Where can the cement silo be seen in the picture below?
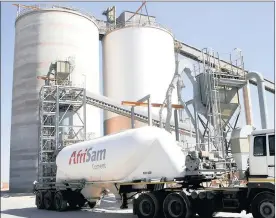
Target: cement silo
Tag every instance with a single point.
(43, 37)
(137, 60)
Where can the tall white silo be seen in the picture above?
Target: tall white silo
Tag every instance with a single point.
(42, 37)
(137, 61)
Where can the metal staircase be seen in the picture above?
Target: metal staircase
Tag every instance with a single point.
(219, 95)
(212, 104)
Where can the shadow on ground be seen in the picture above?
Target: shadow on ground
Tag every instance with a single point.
(7, 194)
(35, 213)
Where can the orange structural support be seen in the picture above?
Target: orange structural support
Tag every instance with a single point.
(27, 6)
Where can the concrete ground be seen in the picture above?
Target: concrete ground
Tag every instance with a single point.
(23, 206)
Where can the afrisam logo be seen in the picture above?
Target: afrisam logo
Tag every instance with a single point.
(88, 155)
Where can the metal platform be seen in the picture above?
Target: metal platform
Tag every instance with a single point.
(195, 54)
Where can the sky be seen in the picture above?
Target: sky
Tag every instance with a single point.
(223, 26)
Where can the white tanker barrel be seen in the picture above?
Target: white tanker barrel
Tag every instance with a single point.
(146, 152)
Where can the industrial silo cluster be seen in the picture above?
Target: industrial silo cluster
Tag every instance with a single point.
(133, 66)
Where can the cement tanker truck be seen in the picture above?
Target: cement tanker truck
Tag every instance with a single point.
(148, 161)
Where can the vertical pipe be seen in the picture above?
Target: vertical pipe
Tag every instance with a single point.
(57, 116)
(262, 103)
(84, 114)
(176, 125)
(132, 118)
(247, 104)
(114, 16)
(39, 170)
(195, 115)
(261, 95)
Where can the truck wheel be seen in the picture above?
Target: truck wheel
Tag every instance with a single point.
(60, 202)
(177, 205)
(263, 206)
(39, 200)
(146, 206)
(48, 200)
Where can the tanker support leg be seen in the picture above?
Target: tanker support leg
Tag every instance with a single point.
(124, 201)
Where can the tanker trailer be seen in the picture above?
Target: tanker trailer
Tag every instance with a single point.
(120, 163)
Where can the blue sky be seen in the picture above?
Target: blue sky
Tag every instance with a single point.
(220, 25)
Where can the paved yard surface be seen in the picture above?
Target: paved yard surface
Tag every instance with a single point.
(15, 206)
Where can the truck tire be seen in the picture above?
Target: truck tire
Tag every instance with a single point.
(48, 200)
(39, 200)
(146, 206)
(177, 205)
(60, 202)
(263, 205)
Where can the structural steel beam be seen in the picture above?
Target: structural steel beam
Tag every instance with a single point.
(115, 107)
(133, 103)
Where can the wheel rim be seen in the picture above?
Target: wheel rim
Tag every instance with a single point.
(175, 208)
(145, 207)
(267, 209)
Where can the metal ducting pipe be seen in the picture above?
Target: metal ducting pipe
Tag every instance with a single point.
(247, 104)
(261, 93)
(168, 98)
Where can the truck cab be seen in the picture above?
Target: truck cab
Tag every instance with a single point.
(262, 155)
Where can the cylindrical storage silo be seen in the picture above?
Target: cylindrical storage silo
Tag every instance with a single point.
(43, 37)
(137, 61)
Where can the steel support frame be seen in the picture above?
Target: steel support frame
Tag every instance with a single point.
(54, 100)
(148, 100)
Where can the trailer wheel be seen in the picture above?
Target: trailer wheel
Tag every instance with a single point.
(146, 206)
(48, 200)
(263, 206)
(39, 200)
(60, 202)
(177, 205)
